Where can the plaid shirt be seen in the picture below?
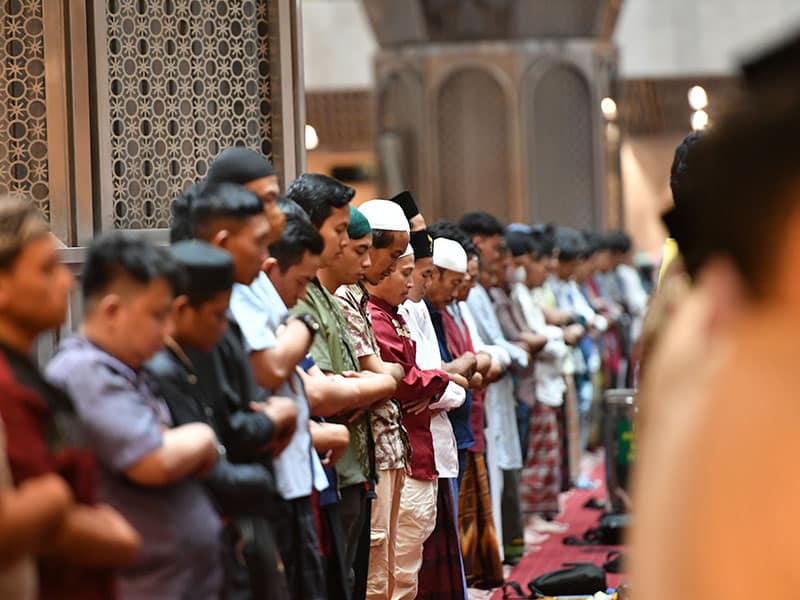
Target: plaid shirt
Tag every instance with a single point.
(391, 440)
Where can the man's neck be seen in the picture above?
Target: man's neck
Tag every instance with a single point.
(374, 296)
(328, 280)
(437, 305)
(16, 337)
(96, 336)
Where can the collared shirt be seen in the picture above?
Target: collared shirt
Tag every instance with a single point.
(513, 327)
(44, 436)
(491, 332)
(123, 419)
(396, 345)
(391, 445)
(585, 356)
(501, 414)
(333, 352)
(462, 312)
(445, 449)
(259, 310)
(550, 383)
(459, 417)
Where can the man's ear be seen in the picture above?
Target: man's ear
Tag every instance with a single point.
(180, 304)
(221, 239)
(726, 289)
(269, 264)
(109, 305)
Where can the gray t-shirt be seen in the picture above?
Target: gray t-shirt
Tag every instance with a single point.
(123, 419)
(259, 311)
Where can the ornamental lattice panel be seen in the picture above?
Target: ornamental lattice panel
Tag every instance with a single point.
(185, 79)
(23, 116)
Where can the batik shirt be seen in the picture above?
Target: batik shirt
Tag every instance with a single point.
(387, 430)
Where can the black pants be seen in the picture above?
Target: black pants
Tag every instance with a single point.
(354, 508)
(296, 535)
(513, 525)
(253, 567)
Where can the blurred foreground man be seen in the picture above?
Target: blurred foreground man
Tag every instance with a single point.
(715, 493)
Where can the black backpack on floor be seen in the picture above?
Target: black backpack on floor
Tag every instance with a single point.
(575, 580)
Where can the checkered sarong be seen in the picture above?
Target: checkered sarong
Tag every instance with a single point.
(541, 476)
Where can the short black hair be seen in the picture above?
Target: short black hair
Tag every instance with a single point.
(682, 170)
(618, 242)
(592, 243)
(208, 270)
(750, 162)
(451, 231)
(299, 236)
(117, 255)
(544, 240)
(481, 223)
(520, 244)
(683, 181)
(570, 243)
(319, 195)
(382, 238)
(202, 203)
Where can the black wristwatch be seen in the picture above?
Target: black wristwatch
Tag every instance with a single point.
(310, 322)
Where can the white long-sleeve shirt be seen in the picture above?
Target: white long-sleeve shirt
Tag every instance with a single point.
(549, 372)
(487, 324)
(445, 451)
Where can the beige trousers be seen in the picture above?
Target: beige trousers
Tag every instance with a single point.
(416, 522)
(383, 534)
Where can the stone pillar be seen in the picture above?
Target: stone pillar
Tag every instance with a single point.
(496, 106)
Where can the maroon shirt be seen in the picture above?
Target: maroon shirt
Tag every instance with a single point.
(396, 345)
(460, 341)
(43, 436)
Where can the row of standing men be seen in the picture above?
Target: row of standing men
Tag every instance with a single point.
(299, 398)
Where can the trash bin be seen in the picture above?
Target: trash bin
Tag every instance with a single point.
(619, 411)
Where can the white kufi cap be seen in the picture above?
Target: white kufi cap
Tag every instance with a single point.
(386, 215)
(449, 254)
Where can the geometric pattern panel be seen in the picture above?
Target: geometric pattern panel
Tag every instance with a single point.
(473, 144)
(23, 118)
(343, 119)
(560, 150)
(186, 79)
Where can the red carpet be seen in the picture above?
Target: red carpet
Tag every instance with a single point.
(554, 553)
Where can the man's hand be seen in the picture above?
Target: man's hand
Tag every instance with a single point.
(476, 381)
(573, 334)
(533, 342)
(283, 413)
(495, 372)
(484, 362)
(330, 440)
(459, 380)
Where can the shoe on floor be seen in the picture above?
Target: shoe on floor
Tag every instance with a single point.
(540, 525)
